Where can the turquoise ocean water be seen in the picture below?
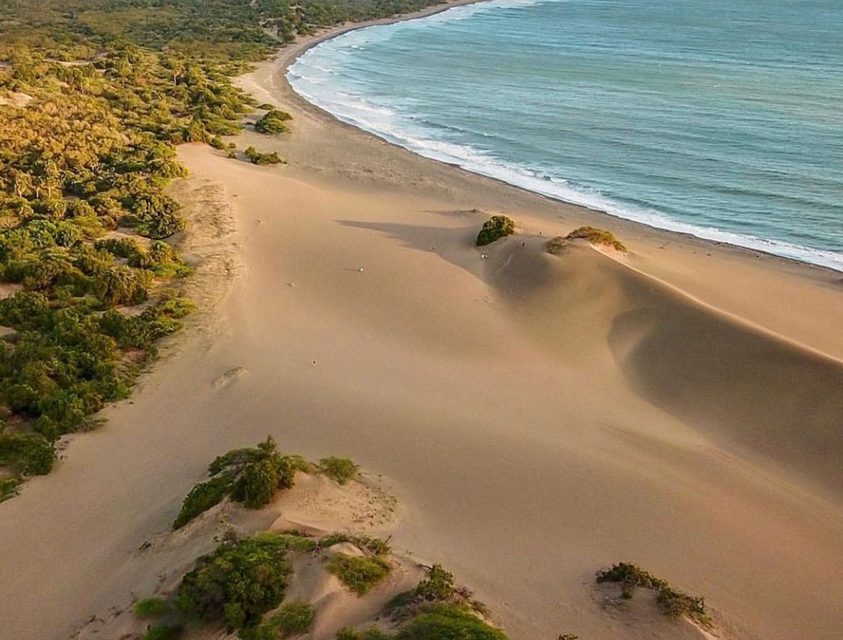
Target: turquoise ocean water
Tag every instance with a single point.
(719, 118)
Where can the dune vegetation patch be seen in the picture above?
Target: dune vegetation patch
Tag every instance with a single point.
(259, 158)
(342, 470)
(596, 236)
(495, 228)
(360, 574)
(673, 602)
(273, 121)
(256, 585)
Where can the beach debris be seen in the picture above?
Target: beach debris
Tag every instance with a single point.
(360, 269)
(483, 256)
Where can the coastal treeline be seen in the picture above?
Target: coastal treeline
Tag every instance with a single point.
(94, 97)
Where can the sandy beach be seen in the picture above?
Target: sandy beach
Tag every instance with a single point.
(539, 417)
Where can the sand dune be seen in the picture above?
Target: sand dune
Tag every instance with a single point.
(539, 417)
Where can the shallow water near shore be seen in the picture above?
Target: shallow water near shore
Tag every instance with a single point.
(711, 118)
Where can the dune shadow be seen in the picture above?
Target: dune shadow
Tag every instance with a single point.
(736, 383)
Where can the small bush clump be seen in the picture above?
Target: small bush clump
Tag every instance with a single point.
(673, 602)
(596, 236)
(274, 121)
(494, 228)
(359, 574)
(256, 157)
(340, 469)
(437, 588)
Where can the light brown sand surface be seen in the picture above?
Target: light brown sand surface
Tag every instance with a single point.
(539, 417)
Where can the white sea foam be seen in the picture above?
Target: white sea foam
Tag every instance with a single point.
(307, 77)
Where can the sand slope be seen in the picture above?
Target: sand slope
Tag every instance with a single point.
(540, 417)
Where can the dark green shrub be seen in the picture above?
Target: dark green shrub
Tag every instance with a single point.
(122, 285)
(252, 476)
(237, 583)
(256, 157)
(438, 586)
(273, 122)
(596, 236)
(151, 608)
(340, 469)
(257, 485)
(201, 498)
(359, 574)
(494, 228)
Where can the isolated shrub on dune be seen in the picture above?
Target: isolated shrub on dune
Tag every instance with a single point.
(252, 475)
(596, 236)
(256, 157)
(494, 228)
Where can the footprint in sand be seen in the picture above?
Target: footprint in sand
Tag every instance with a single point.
(229, 376)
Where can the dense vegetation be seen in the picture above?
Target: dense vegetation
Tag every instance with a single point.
(251, 476)
(673, 602)
(494, 228)
(237, 583)
(243, 583)
(94, 96)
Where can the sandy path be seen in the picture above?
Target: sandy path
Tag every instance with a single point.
(522, 406)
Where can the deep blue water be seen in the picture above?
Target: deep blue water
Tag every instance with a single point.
(721, 118)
